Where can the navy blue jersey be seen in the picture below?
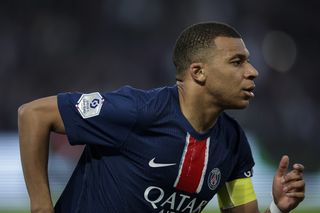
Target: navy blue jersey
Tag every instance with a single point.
(142, 154)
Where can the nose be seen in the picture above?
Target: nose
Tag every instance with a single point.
(251, 72)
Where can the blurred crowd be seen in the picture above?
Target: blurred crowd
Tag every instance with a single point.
(48, 47)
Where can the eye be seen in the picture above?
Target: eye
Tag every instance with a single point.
(239, 62)
(236, 63)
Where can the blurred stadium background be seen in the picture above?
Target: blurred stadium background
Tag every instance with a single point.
(52, 46)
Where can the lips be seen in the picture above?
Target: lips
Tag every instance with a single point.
(249, 91)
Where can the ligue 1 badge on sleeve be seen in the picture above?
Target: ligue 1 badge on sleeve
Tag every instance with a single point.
(89, 105)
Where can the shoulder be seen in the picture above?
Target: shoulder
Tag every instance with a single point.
(154, 105)
(155, 98)
(232, 131)
(143, 94)
(229, 123)
(236, 140)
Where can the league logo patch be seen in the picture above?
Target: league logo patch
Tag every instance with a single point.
(214, 178)
(248, 173)
(89, 105)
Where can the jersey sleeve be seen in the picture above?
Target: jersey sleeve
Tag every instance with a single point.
(95, 118)
(236, 193)
(238, 189)
(243, 158)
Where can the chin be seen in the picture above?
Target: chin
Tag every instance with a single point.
(240, 105)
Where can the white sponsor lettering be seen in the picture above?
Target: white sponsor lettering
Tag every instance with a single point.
(190, 205)
(171, 200)
(200, 207)
(182, 200)
(153, 202)
(175, 202)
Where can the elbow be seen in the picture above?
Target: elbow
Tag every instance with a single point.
(41, 113)
(24, 110)
(21, 110)
(27, 113)
(30, 117)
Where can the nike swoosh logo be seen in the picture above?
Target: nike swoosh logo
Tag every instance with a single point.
(157, 165)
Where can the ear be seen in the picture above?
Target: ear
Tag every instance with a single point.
(197, 72)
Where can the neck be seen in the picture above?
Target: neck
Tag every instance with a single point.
(197, 107)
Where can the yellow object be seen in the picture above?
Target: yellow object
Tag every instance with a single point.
(236, 193)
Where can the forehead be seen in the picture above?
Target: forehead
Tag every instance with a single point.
(229, 47)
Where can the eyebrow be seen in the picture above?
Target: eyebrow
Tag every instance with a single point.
(240, 56)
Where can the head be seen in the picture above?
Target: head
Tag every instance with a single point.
(214, 58)
(196, 41)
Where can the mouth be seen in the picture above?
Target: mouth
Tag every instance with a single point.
(249, 91)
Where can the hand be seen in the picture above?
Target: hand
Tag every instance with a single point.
(288, 189)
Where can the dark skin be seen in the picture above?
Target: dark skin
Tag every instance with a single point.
(225, 81)
(36, 120)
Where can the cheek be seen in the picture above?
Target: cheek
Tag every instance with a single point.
(223, 84)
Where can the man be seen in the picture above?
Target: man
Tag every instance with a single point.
(164, 150)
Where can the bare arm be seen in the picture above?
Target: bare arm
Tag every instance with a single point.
(35, 121)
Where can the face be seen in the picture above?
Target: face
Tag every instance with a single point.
(229, 75)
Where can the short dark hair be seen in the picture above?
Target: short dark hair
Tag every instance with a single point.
(196, 38)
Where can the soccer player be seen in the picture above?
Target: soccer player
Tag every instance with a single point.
(164, 150)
